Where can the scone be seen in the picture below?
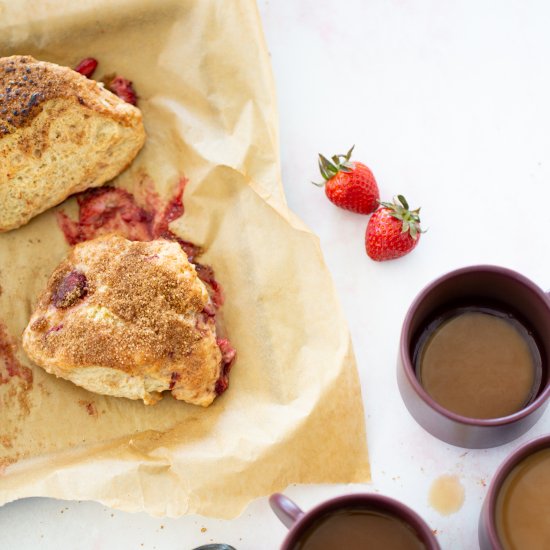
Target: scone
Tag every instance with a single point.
(130, 319)
(60, 133)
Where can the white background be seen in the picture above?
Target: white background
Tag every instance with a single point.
(449, 104)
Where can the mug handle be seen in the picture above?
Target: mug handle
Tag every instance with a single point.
(285, 509)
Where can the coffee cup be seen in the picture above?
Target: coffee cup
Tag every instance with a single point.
(453, 332)
(516, 508)
(350, 521)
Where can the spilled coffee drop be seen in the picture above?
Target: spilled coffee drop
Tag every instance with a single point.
(446, 495)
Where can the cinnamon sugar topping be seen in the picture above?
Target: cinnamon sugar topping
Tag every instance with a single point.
(143, 297)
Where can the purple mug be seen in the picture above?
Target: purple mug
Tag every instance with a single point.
(298, 522)
(476, 283)
(488, 535)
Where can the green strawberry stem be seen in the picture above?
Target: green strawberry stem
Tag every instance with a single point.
(410, 218)
(340, 163)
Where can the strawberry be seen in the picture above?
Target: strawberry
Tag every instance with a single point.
(349, 185)
(393, 230)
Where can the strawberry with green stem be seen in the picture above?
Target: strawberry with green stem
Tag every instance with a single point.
(393, 230)
(349, 184)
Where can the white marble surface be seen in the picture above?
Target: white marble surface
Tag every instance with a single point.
(449, 104)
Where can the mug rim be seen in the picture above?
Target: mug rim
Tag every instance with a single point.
(488, 512)
(409, 368)
(384, 503)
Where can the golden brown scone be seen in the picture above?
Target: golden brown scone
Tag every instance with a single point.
(129, 319)
(60, 133)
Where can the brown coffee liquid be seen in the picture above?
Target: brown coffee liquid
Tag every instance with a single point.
(478, 362)
(359, 529)
(523, 505)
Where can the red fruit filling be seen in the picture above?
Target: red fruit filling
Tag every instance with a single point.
(9, 365)
(107, 210)
(112, 210)
(56, 328)
(206, 275)
(87, 67)
(120, 86)
(72, 288)
(173, 379)
(123, 88)
(228, 357)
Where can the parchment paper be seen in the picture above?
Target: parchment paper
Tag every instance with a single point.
(293, 412)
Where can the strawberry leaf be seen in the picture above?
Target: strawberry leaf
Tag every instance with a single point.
(409, 218)
(340, 163)
(347, 156)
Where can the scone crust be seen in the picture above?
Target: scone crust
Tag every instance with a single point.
(136, 325)
(60, 133)
(26, 84)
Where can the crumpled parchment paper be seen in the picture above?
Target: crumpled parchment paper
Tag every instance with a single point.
(293, 412)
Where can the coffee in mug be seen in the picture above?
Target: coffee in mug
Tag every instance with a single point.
(523, 504)
(478, 361)
(359, 528)
(354, 521)
(516, 509)
(474, 356)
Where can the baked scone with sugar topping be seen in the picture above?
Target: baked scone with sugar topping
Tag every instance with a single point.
(60, 133)
(130, 319)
